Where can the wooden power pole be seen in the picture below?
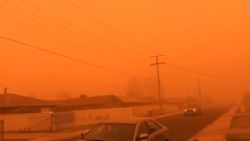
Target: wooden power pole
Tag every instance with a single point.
(157, 63)
(199, 91)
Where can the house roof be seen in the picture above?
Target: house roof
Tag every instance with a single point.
(127, 99)
(100, 100)
(18, 100)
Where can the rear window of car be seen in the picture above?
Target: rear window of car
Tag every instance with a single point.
(112, 132)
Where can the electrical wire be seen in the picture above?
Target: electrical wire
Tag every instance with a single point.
(100, 23)
(204, 73)
(71, 58)
(65, 22)
(39, 20)
(61, 21)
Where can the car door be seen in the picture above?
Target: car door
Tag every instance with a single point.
(155, 131)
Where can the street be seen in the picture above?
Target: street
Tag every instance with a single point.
(184, 127)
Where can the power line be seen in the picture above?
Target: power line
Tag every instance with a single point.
(63, 21)
(205, 73)
(69, 57)
(29, 28)
(100, 23)
(107, 27)
(56, 26)
(52, 24)
(38, 18)
(78, 28)
(62, 30)
(39, 22)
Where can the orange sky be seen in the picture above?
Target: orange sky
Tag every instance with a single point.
(209, 36)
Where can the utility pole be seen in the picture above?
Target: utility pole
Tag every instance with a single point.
(199, 91)
(157, 63)
(5, 91)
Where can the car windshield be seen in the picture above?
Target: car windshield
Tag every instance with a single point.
(111, 132)
(241, 122)
(191, 106)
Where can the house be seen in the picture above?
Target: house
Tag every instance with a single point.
(13, 103)
(10, 99)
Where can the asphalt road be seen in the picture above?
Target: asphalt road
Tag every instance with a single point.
(184, 127)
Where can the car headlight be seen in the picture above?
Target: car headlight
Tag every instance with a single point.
(194, 110)
(185, 110)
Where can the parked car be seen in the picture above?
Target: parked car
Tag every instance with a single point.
(240, 128)
(127, 130)
(192, 109)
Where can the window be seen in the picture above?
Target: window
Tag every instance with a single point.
(112, 132)
(153, 126)
(143, 129)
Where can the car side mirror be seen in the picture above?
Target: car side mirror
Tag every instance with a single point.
(83, 134)
(143, 136)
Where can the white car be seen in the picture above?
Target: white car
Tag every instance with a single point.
(127, 130)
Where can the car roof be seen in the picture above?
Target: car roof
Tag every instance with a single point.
(125, 121)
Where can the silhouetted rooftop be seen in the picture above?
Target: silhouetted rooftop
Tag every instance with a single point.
(18, 100)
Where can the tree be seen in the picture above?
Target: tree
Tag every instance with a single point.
(143, 90)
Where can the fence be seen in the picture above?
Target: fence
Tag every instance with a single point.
(31, 122)
(41, 122)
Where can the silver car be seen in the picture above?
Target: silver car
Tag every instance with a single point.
(128, 130)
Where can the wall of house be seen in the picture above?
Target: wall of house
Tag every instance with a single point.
(35, 122)
(26, 122)
(87, 117)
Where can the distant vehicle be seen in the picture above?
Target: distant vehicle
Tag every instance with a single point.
(127, 130)
(192, 109)
(240, 128)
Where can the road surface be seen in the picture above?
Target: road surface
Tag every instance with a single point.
(184, 127)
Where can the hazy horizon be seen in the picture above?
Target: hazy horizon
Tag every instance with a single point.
(205, 36)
